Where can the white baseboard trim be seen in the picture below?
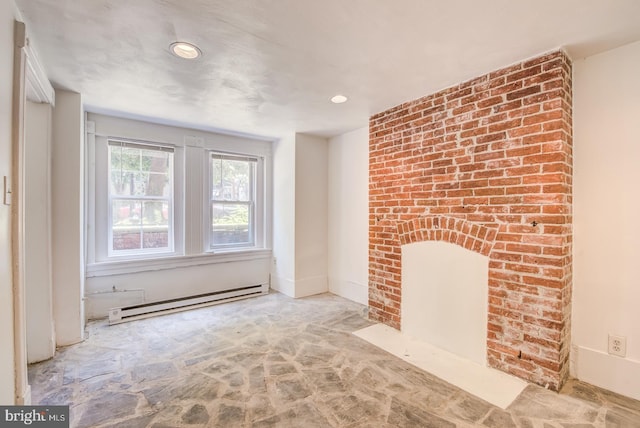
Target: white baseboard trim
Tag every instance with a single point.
(617, 374)
(69, 342)
(310, 286)
(354, 291)
(283, 285)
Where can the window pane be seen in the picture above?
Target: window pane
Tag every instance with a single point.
(127, 183)
(126, 213)
(230, 224)
(140, 172)
(158, 184)
(156, 238)
(129, 158)
(155, 227)
(216, 178)
(120, 183)
(126, 240)
(125, 224)
(231, 180)
(158, 165)
(115, 158)
(237, 180)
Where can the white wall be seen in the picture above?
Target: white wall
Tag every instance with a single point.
(311, 215)
(191, 270)
(284, 212)
(37, 233)
(163, 284)
(606, 227)
(300, 197)
(67, 191)
(7, 385)
(348, 216)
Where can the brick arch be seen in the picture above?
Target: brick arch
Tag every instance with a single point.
(471, 236)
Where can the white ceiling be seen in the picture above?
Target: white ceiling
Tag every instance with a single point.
(270, 66)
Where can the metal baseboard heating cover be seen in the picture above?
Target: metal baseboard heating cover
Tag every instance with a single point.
(146, 310)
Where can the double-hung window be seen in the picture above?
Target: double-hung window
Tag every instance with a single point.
(140, 198)
(232, 202)
(161, 197)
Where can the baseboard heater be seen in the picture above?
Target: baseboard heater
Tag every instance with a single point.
(146, 310)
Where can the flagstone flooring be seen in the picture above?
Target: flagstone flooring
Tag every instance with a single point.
(273, 361)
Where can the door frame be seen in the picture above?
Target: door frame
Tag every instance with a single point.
(28, 77)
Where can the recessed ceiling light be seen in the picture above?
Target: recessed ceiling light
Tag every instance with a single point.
(185, 50)
(338, 99)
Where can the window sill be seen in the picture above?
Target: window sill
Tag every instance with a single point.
(120, 267)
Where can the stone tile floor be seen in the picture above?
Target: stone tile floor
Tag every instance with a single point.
(273, 361)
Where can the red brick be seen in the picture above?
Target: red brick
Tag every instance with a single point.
(502, 126)
(495, 151)
(525, 130)
(523, 93)
(511, 87)
(488, 102)
(543, 117)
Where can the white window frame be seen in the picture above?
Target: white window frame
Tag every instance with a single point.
(254, 211)
(141, 252)
(191, 190)
(99, 243)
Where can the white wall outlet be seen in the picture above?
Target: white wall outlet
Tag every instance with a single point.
(618, 345)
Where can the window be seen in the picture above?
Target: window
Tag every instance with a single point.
(161, 197)
(232, 200)
(140, 198)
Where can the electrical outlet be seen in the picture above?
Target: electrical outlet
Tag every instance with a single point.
(618, 345)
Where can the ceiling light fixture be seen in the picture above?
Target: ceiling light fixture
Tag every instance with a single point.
(185, 50)
(339, 99)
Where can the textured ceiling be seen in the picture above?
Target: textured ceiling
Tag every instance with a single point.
(270, 66)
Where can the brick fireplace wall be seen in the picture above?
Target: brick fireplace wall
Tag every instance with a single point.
(486, 165)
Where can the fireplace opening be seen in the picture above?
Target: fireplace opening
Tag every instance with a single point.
(444, 297)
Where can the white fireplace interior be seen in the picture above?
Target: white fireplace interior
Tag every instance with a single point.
(444, 297)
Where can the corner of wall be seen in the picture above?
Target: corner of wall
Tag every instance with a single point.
(283, 285)
(311, 233)
(348, 215)
(310, 286)
(284, 212)
(67, 194)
